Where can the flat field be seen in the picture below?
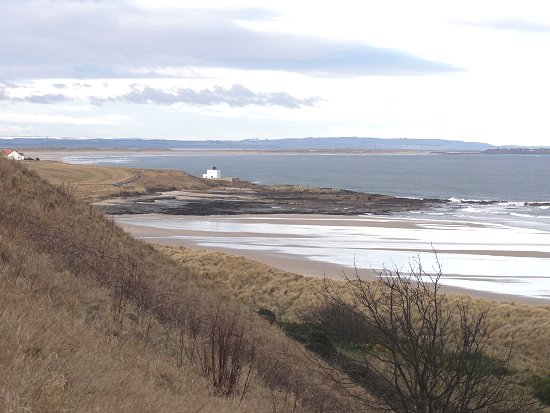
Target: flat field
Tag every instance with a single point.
(92, 182)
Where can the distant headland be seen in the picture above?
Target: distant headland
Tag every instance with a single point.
(299, 144)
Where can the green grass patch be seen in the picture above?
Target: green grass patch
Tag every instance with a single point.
(540, 387)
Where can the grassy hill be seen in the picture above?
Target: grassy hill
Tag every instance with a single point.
(91, 182)
(93, 320)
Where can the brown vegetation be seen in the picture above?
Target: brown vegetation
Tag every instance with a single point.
(260, 286)
(92, 182)
(92, 319)
(136, 190)
(413, 349)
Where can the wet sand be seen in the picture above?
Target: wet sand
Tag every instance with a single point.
(309, 266)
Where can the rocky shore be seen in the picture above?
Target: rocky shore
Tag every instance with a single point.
(260, 199)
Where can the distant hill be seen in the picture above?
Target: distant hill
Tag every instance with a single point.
(518, 151)
(340, 143)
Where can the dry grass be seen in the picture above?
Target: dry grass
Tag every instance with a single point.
(527, 327)
(73, 266)
(60, 352)
(255, 284)
(93, 320)
(87, 181)
(91, 182)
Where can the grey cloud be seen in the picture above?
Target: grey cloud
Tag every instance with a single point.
(4, 85)
(90, 39)
(512, 24)
(47, 98)
(235, 96)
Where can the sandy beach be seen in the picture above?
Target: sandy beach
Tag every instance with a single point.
(495, 249)
(328, 246)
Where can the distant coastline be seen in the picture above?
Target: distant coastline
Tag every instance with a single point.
(517, 151)
(292, 144)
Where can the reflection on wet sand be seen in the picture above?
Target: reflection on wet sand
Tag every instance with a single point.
(480, 256)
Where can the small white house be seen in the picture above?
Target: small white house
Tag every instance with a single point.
(11, 154)
(212, 173)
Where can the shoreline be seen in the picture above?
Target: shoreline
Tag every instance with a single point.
(240, 199)
(303, 265)
(57, 155)
(244, 198)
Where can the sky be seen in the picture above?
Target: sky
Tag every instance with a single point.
(242, 69)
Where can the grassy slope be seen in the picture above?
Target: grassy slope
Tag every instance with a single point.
(92, 182)
(92, 320)
(260, 286)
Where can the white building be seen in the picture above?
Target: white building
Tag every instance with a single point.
(212, 173)
(11, 154)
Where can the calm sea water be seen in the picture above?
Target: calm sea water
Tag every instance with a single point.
(515, 178)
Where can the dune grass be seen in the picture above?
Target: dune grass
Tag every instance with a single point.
(60, 351)
(77, 280)
(526, 327)
(93, 320)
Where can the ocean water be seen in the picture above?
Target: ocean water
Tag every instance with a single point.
(502, 246)
(511, 178)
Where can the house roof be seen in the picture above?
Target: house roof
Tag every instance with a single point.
(6, 152)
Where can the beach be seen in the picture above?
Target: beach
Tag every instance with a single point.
(492, 260)
(495, 249)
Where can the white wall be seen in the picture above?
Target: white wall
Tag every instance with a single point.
(16, 156)
(212, 174)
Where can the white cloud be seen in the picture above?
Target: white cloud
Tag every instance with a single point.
(57, 119)
(234, 96)
(381, 68)
(104, 39)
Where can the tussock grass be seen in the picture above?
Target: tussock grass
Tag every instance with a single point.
(526, 327)
(60, 352)
(93, 320)
(255, 284)
(93, 317)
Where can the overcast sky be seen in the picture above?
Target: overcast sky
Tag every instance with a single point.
(469, 70)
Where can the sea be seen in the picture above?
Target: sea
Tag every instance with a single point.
(513, 178)
(492, 235)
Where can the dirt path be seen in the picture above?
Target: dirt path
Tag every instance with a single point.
(131, 181)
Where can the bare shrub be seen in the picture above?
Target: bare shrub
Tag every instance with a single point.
(67, 190)
(221, 352)
(423, 354)
(80, 242)
(337, 319)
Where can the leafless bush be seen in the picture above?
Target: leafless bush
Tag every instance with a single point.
(337, 319)
(425, 355)
(226, 339)
(220, 351)
(67, 190)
